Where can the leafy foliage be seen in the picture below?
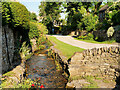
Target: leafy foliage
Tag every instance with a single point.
(50, 11)
(89, 36)
(113, 13)
(110, 31)
(86, 18)
(34, 32)
(6, 17)
(25, 51)
(116, 18)
(90, 22)
(15, 14)
(41, 40)
(20, 15)
(33, 16)
(42, 28)
(24, 84)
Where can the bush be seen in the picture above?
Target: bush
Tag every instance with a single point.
(36, 30)
(90, 36)
(41, 40)
(104, 25)
(110, 32)
(33, 32)
(24, 84)
(86, 37)
(25, 51)
(6, 13)
(42, 28)
(41, 47)
(20, 15)
(15, 14)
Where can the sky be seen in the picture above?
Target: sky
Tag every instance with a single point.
(33, 6)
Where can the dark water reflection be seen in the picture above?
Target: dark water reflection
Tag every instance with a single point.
(43, 69)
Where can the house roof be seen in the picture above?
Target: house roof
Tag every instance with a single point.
(104, 8)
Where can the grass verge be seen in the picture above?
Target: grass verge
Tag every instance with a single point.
(66, 49)
(93, 41)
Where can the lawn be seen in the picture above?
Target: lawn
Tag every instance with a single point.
(66, 49)
(93, 41)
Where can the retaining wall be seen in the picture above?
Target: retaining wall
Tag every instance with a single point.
(7, 48)
(102, 62)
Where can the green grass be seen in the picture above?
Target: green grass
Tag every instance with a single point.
(106, 81)
(93, 41)
(66, 49)
(92, 84)
(76, 77)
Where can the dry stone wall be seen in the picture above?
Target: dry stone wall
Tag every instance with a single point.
(102, 62)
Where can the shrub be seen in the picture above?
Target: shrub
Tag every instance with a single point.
(41, 47)
(15, 14)
(41, 40)
(110, 32)
(20, 15)
(24, 84)
(6, 13)
(33, 32)
(90, 36)
(37, 29)
(86, 37)
(25, 51)
(42, 28)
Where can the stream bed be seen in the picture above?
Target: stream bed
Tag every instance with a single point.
(42, 69)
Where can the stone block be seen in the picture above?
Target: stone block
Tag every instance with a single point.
(77, 56)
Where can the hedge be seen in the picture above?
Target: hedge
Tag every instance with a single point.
(15, 14)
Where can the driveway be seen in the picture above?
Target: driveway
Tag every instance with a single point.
(81, 44)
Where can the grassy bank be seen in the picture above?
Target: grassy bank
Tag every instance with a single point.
(93, 41)
(66, 49)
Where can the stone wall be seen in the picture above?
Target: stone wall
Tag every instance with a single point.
(62, 60)
(14, 76)
(56, 55)
(0, 50)
(102, 62)
(7, 48)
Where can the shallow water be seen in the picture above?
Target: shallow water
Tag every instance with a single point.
(43, 70)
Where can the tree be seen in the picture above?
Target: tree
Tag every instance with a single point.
(50, 12)
(82, 15)
(73, 14)
(33, 16)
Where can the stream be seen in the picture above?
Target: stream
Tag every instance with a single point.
(42, 69)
